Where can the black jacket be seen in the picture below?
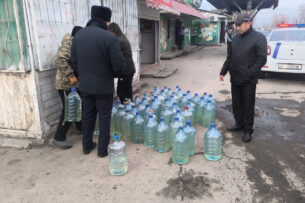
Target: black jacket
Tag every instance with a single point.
(125, 48)
(246, 56)
(97, 58)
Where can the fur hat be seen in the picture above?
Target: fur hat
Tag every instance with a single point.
(75, 30)
(101, 12)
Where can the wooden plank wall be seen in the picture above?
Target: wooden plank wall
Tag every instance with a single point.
(16, 109)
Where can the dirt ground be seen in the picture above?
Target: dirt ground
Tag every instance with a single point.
(271, 168)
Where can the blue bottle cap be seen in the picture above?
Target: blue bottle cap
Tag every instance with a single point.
(176, 119)
(133, 106)
(147, 105)
(172, 96)
(175, 103)
(196, 94)
(184, 94)
(179, 89)
(165, 87)
(178, 111)
(188, 122)
(73, 89)
(155, 97)
(138, 113)
(202, 97)
(210, 95)
(177, 86)
(204, 93)
(120, 108)
(209, 101)
(162, 91)
(127, 111)
(166, 99)
(140, 102)
(161, 119)
(150, 116)
(213, 125)
(180, 127)
(169, 88)
(188, 91)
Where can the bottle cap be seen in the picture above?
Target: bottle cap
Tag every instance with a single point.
(169, 88)
(166, 99)
(188, 122)
(184, 94)
(176, 119)
(140, 102)
(188, 91)
(150, 116)
(213, 125)
(147, 105)
(196, 94)
(204, 93)
(138, 113)
(180, 127)
(73, 89)
(210, 95)
(209, 101)
(178, 111)
(162, 119)
(177, 86)
(116, 136)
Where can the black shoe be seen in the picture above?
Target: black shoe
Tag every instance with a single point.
(62, 144)
(247, 137)
(101, 155)
(235, 127)
(87, 151)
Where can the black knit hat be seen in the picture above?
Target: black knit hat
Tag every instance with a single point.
(101, 12)
(75, 30)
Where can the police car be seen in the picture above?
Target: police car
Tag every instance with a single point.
(286, 50)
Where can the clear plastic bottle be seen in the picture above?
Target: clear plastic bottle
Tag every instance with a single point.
(137, 131)
(189, 95)
(175, 108)
(162, 97)
(167, 114)
(183, 101)
(201, 106)
(213, 144)
(180, 116)
(172, 100)
(117, 156)
(188, 115)
(190, 132)
(133, 110)
(141, 108)
(212, 99)
(113, 122)
(126, 124)
(162, 137)
(196, 100)
(179, 95)
(173, 129)
(169, 92)
(156, 107)
(150, 131)
(180, 148)
(209, 113)
(119, 118)
(137, 100)
(73, 107)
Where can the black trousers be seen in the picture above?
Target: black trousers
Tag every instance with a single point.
(180, 41)
(243, 102)
(64, 126)
(93, 104)
(124, 88)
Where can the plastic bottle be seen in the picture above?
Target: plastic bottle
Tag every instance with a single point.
(150, 131)
(117, 156)
(190, 132)
(212, 99)
(180, 148)
(180, 116)
(137, 131)
(172, 100)
(189, 95)
(133, 110)
(167, 114)
(183, 101)
(200, 109)
(113, 122)
(196, 100)
(179, 95)
(162, 97)
(174, 127)
(126, 125)
(188, 115)
(137, 100)
(213, 144)
(73, 107)
(175, 107)
(169, 92)
(162, 137)
(156, 107)
(119, 118)
(141, 108)
(209, 112)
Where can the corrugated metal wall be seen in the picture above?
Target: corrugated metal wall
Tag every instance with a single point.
(52, 20)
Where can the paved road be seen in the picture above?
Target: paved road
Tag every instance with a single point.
(269, 169)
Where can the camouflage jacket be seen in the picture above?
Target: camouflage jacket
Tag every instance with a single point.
(62, 62)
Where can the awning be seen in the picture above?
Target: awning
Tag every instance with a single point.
(168, 9)
(182, 8)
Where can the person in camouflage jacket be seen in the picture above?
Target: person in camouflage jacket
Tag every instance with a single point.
(65, 79)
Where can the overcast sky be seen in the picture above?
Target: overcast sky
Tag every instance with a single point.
(287, 7)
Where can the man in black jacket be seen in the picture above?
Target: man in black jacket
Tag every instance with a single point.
(97, 58)
(246, 56)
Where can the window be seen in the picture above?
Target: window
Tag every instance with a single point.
(11, 48)
(288, 35)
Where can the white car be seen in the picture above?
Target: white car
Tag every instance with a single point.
(286, 50)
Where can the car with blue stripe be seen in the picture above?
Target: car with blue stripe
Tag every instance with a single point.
(286, 49)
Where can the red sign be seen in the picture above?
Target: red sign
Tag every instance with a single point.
(168, 3)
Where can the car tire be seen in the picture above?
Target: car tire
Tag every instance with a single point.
(262, 75)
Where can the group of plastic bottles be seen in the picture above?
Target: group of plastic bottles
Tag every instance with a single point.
(163, 121)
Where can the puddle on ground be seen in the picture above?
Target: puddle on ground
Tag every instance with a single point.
(289, 112)
(224, 92)
(258, 113)
(187, 185)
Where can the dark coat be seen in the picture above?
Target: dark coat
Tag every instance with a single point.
(125, 48)
(246, 56)
(97, 58)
